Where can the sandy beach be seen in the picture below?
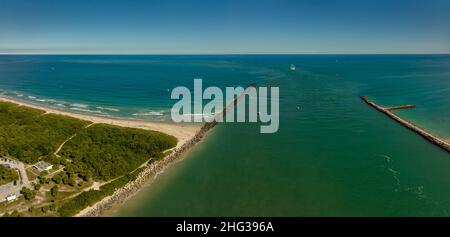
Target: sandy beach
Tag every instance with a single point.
(188, 135)
(183, 132)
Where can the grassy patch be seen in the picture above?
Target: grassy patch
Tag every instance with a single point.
(89, 198)
(8, 175)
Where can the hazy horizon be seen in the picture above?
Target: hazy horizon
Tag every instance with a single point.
(218, 54)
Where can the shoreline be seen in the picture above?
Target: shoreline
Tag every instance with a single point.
(188, 136)
(112, 203)
(183, 132)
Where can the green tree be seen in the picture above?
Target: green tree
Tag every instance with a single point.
(27, 193)
(57, 178)
(37, 186)
(54, 191)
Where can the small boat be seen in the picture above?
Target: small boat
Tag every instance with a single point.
(292, 67)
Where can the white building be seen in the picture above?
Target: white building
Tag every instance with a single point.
(11, 197)
(43, 166)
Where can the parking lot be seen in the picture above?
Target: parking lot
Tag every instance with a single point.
(10, 188)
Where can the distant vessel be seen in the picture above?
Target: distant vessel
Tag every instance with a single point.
(292, 67)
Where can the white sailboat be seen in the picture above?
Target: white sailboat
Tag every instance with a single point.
(292, 67)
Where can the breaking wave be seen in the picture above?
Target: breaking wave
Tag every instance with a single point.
(86, 110)
(79, 105)
(108, 109)
(150, 113)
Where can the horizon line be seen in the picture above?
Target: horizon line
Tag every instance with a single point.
(223, 53)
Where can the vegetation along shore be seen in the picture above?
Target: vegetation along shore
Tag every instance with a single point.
(68, 164)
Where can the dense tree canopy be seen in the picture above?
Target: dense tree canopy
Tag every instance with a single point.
(106, 151)
(28, 134)
(101, 152)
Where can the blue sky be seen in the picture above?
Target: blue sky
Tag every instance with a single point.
(227, 26)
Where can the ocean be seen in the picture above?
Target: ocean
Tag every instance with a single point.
(332, 156)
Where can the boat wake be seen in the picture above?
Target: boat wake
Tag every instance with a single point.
(395, 173)
(418, 191)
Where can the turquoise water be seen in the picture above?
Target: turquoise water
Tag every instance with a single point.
(333, 154)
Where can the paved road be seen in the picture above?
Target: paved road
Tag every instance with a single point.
(10, 188)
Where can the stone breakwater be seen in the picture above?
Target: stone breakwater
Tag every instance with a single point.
(420, 131)
(148, 174)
